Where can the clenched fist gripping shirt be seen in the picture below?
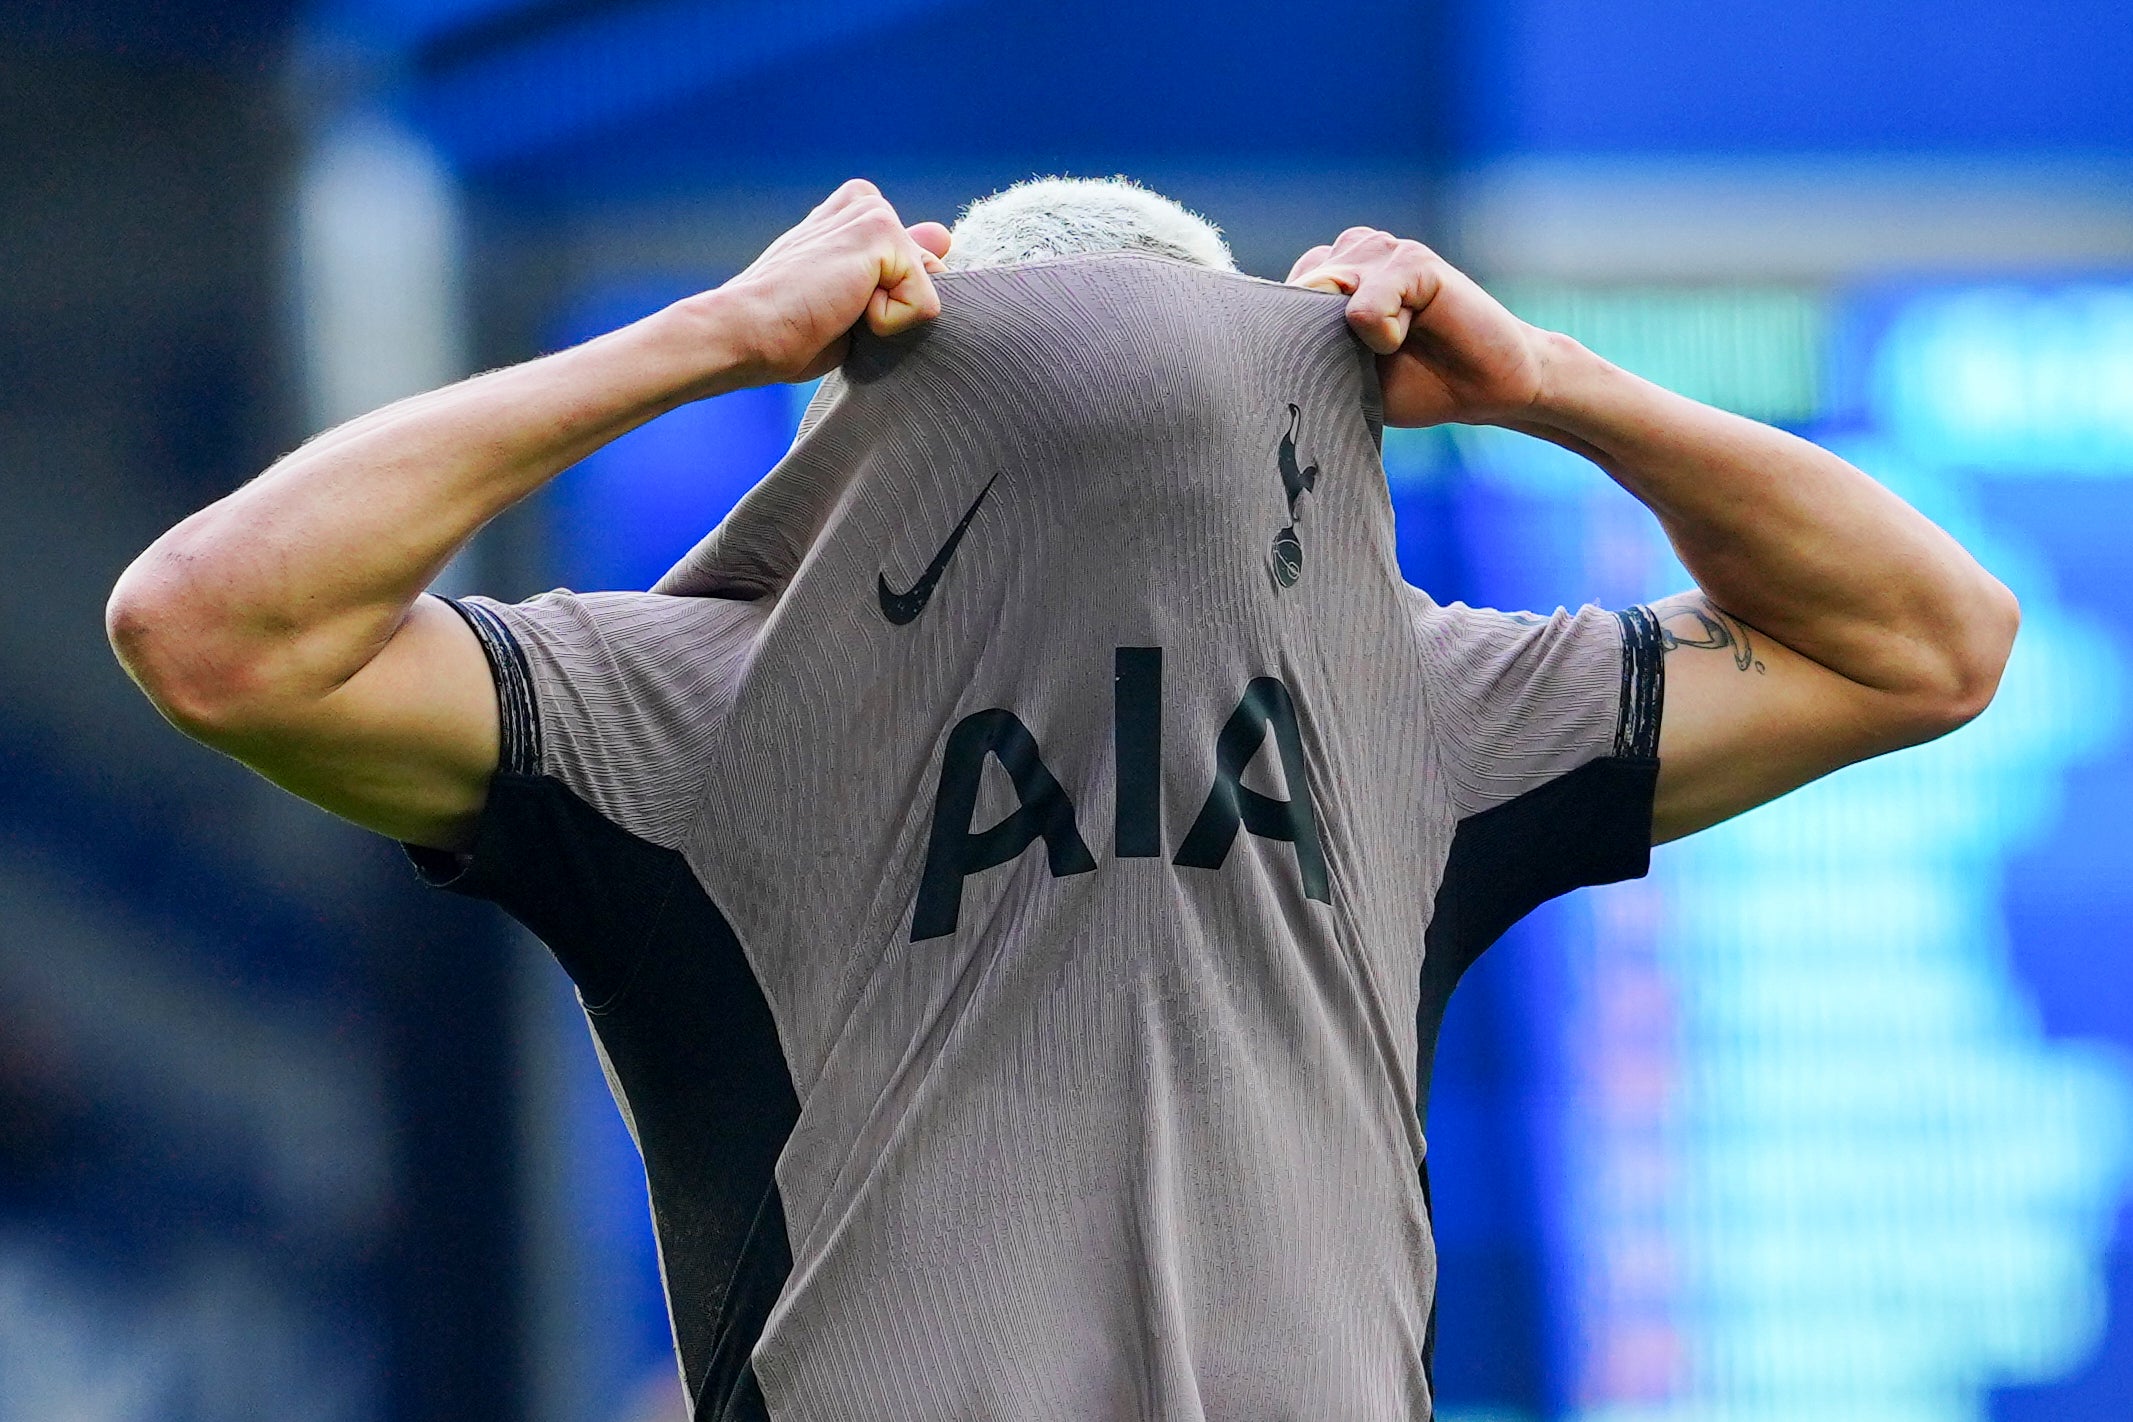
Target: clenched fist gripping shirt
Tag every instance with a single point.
(1014, 866)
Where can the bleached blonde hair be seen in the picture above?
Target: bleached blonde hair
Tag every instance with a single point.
(1071, 217)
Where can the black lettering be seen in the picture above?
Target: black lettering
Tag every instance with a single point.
(1137, 739)
(1231, 806)
(954, 852)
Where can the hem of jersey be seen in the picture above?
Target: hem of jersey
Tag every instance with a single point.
(1643, 685)
(518, 749)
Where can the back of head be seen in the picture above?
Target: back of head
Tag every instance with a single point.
(1079, 217)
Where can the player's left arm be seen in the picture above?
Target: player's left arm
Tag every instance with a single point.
(1831, 621)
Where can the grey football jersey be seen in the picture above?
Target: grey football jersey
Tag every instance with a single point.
(1014, 866)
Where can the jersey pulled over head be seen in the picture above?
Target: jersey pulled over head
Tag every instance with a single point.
(999, 354)
(1110, 379)
(999, 860)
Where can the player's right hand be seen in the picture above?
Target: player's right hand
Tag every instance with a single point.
(852, 258)
(1447, 350)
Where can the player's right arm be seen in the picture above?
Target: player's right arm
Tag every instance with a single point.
(285, 624)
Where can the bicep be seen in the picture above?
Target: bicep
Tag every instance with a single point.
(406, 746)
(1747, 719)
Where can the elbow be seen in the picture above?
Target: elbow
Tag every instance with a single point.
(164, 628)
(1986, 649)
(1974, 657)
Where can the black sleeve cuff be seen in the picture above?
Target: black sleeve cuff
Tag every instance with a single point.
(1643, 685)
(518, 750)
(518, 712)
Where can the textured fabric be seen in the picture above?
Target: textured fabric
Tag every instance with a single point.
(1077, 776)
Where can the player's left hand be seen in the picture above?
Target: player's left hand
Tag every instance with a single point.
(1448, 352)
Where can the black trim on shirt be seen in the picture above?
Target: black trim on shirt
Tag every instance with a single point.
(1643, 684)
(518, 713)
(729, 1391)
(690, 1037)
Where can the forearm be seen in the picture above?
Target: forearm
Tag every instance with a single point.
(1788, 537)
(290, 585)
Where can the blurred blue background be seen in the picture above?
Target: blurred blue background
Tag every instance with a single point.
(1831, 1118)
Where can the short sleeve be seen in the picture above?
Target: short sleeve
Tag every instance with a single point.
(618, 696)
(610, 707)
(1521, 700)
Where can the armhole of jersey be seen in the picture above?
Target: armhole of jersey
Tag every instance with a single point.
(518, 714)
(1643, 685)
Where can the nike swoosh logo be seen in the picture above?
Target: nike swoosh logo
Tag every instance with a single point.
(902, 607)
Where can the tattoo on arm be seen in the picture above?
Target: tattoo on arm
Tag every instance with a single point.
(1700, 626)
